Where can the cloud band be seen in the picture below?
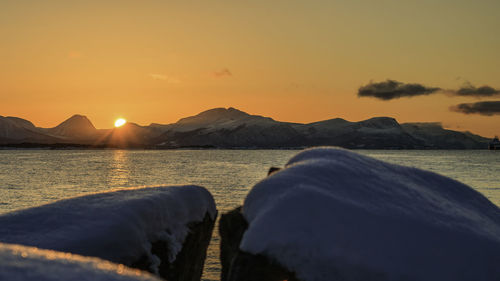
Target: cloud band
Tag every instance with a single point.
(487, 108)
(391, 89)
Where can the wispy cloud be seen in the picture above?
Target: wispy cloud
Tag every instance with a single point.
(222, 73)
(166, 78)
(391, 89)
(487, 108)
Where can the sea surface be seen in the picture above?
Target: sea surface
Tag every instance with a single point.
(33, 177)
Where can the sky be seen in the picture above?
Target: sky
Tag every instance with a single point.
(297, 61)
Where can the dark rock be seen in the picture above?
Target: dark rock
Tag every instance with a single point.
(232, 225)
(238, 265)
(249, 267)
(273, 170)
(188, 265)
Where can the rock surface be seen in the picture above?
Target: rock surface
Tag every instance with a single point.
(189, 262)
(164, 230)
(332, 214)
(238, 265)
(19, 262)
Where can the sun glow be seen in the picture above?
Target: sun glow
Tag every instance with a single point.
(120, 122)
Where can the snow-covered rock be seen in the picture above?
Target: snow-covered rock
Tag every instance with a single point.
(29, 263)
(332, 214)
(143, 227)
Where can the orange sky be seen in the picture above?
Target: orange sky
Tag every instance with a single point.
(299, 61)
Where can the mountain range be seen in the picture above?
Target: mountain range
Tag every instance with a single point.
(232, 128)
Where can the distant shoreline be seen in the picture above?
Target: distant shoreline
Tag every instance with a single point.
(73, 146)
(230, 128)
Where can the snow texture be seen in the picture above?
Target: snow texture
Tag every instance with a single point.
(29, 263)
(118, 226)
(332, 214)
(221, 118)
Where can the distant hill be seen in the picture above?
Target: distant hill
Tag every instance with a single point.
(378, 132)
(435, 136)
(75, 127)
(17, 130)
(232, 128)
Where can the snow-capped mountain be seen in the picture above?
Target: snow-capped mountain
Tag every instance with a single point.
(435, 136)
(229, 127)
(232, 128)
(129, 135)
(378, 132)
(221, 127)
(75, 127)
(215, 119)
(17, 130)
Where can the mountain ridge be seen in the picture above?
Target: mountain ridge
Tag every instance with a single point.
(77, 126)
(233, 128)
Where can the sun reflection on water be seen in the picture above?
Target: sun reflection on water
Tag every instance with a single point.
(119, 169)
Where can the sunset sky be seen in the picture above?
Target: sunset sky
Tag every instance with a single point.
(299, 61)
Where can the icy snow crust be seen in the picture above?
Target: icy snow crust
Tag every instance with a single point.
(118, 226)
(332, 214)
(29, 263)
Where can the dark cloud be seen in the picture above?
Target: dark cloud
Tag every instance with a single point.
(487, 108)
(222, 73)
(470, 91)
(392, 89)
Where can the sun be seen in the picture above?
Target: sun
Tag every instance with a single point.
(120, 122)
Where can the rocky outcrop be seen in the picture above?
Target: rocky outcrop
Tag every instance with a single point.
(188, 264)
(238, 265)
(19, 262)
(332, 214)
(165, 230)
(232, 225)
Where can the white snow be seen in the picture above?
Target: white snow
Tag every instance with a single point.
(29, 263)
(219, 119)
(332, 214)
(16, 128)
(118, 226)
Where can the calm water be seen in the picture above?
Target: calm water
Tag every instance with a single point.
(33, 177)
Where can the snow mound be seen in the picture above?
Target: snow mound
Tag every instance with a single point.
(29, 263)
(119, 226)
(332, 214)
